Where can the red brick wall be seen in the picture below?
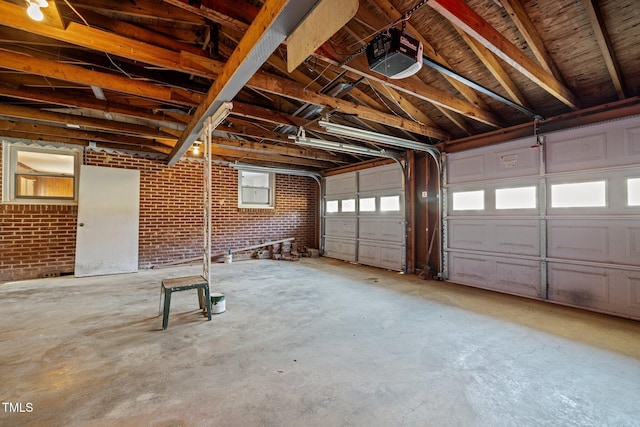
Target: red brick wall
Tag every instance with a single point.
(39, 240)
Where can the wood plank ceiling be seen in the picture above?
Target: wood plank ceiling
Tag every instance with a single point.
(130, 74)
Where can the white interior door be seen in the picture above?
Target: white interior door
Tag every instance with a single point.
(108, 216)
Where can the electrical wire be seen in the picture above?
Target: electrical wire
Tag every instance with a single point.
(87, 24)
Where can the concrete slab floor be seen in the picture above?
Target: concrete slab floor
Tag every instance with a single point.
(317, 342)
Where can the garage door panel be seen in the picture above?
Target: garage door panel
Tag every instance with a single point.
(522, 238)
(375, 236)
(632, 142)
(632, 236)
(465, 169)
(380, 255)
(583, 286)
(633, 295)
(586, 241)
(340, 227)
(514, 276)
(473, 270)
(576, 153)
(576, 248)
(520, 161)
(514, 159)
(519, 277)
(340, 249)
(465, 234)
(614, 241)
(341, 184)
(387, 177)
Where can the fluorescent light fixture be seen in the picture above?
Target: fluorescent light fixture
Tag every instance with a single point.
(340, 147)
(73, 126)
(283, 171)
(219, 116)
(374, 136)
(97, 91)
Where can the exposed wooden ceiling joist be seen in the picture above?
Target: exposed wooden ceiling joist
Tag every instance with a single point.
(473, 24)
(602, 37)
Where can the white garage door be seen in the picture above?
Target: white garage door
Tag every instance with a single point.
(559, 222)
(364, 217)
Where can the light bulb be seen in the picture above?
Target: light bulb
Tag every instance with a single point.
(196, 150)
(43, 3)
(34, 12)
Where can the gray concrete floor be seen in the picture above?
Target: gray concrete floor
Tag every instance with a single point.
(310, 343)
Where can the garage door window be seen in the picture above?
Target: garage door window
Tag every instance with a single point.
(332, 206)
(348, 205)
(579, 195)
(633, 192)
(468, 200)
(368, 204)
(390, 204)
(516, 198)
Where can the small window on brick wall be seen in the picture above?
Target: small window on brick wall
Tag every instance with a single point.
(36, 175)
(256, 189)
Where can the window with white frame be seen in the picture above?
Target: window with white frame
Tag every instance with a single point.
(332, 206)
(256, 189)
(38, 175)
(579, 195)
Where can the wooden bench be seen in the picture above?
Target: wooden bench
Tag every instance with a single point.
(177, 284)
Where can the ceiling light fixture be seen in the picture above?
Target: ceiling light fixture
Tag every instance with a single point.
(33, 9)
(98, 93)
(339, 146)
(374, 136)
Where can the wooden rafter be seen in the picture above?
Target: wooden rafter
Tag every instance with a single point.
(92, 123)
(528, 30)
(473, 24)
(493, 65)
(597, 23)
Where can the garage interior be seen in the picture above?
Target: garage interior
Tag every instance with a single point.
(418, 212)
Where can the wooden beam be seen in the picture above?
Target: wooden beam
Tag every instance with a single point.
(60, 134)
(28, 64)
(102, 124)
(13, 16)
(258, 42)
(473, 24)
(284, 87)
(211, 14)
(519, 16)
(242, 153)
(606, 48)
(321, 158)
(90, 103)
(317, 27)
(427, 93)
(493, 65)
